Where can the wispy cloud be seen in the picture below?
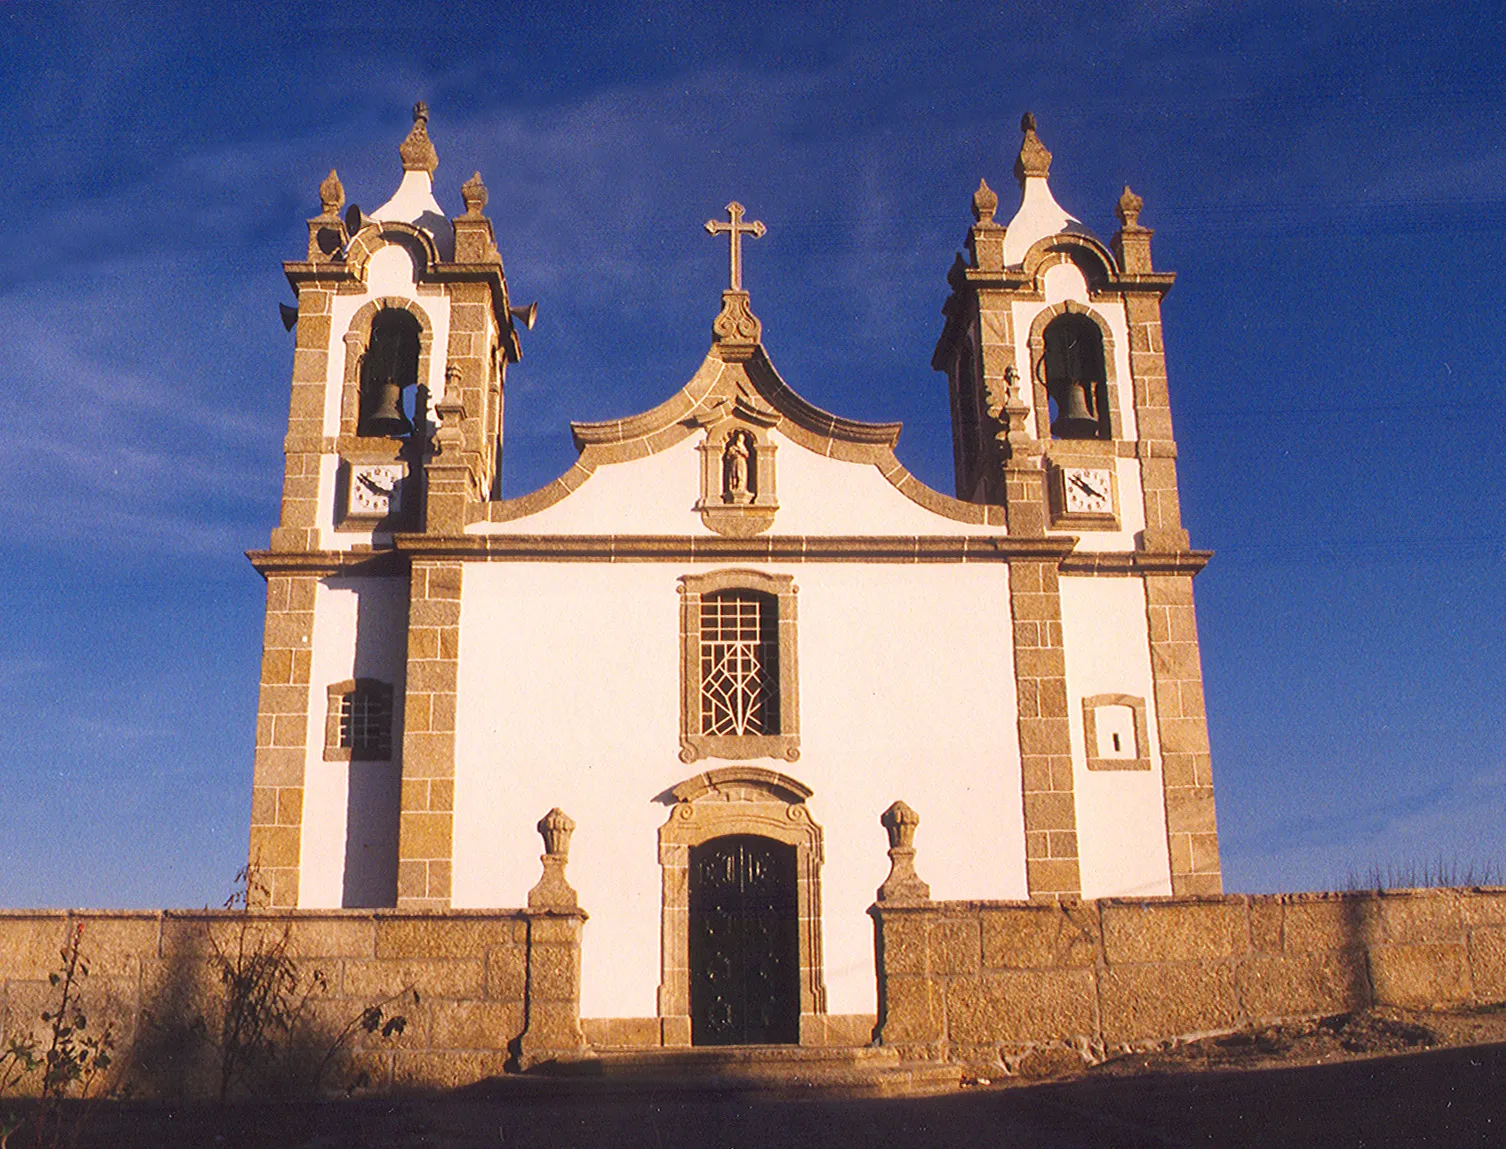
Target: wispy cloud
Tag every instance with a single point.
(1455, 820)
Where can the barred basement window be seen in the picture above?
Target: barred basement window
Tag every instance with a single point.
(739, 694)
(739, 663)
(359, 724)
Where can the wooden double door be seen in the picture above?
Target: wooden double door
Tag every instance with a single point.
(744, 942)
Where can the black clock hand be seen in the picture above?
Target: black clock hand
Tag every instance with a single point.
(1083, 483)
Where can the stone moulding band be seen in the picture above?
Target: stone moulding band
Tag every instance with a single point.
(699, 548)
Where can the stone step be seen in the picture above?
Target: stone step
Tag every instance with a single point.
(787, 1070)
(746, 1060)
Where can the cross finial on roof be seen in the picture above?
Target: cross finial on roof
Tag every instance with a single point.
(735, 230)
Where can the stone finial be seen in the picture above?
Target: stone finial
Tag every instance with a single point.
(473, 193)
(1127, 210)
(556, 827)
(985, 203)
(900, 821)
(1034, 159)
(331, 194)
(902, 884)
(417, 151)
(553, 891)
(1131, 243)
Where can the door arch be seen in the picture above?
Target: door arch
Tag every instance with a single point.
(733, 802)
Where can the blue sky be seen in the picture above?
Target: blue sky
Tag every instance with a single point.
(1328, 181)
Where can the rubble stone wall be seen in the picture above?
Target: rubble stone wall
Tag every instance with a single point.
(980, 982)
(478, 992)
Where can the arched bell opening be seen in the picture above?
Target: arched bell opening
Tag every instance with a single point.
(388, 370)
(1076, 378)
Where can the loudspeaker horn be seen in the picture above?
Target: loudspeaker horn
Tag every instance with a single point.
(525, 315)
(355, 220)
(289, 315)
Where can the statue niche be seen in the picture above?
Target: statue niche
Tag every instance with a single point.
(737, 479)
(388, 368)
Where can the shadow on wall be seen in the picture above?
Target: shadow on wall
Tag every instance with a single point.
(374, 791)
(231, 1011)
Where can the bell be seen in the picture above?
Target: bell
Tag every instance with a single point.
(387, 416)
(1075, 418)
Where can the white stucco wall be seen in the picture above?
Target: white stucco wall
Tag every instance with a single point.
(658, 495)
(569, 695)
(350, 808)
(1121, 814)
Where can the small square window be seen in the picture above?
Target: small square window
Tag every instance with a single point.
(1113, 727)
(359, 723)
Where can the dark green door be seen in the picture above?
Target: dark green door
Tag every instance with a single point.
(744, 943)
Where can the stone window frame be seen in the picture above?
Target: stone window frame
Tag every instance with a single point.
(336, 693)
(693, 744)
(1040, 398)
(721, 802)
(1090, 705)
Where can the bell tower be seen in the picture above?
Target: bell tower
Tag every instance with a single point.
(404, 331)
(1056, 371)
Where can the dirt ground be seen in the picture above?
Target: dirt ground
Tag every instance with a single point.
(1381, 1078)
(1343, 1037)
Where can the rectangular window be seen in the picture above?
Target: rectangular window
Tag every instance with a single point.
(366, 724)
(739, 663)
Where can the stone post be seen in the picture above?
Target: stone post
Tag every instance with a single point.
(553, 1032)
(909, 999)
(553, 892)
(903, 883)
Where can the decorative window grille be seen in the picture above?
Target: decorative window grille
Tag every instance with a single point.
(739, 663)
(366, 722)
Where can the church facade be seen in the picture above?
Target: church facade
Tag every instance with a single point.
(737, 629)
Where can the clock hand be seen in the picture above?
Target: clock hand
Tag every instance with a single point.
(1086, 486)
(373, 485)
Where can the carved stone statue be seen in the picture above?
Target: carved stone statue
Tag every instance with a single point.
(735, 459)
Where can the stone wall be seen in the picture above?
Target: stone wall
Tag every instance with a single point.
(980, 982)
(495, 989)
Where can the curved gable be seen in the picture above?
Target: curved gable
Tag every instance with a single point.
(745, 392)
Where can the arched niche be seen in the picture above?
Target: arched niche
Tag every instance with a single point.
(718, 803)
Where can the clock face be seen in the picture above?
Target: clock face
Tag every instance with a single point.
(376, 489)
(1087, 491)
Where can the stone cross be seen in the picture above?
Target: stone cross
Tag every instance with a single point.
(735, 230)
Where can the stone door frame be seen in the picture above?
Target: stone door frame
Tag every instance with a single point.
(736, 800)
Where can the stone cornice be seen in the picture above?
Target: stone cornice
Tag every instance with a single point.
(716, 549)
(1135, 562)
(363, 561)
(703, 548)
